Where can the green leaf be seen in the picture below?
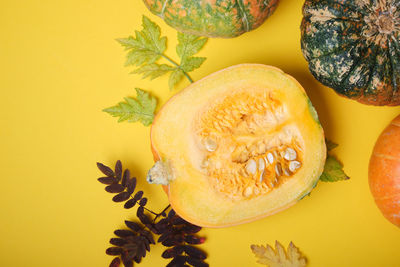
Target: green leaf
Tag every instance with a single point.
(147, 46)
(330, 145)
(153, 70)
(192, 63)
(175, 77)
(188, 45)
(128, 43)
(137, 58)
(140, 109)
(333, 170)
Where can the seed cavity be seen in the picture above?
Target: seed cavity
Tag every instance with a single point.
(264, 171)
(249, 149)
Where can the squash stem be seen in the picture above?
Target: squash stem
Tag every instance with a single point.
(178, 66)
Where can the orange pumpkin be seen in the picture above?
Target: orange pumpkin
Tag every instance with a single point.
(384, 172)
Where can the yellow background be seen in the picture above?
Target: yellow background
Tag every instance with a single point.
(60, 66)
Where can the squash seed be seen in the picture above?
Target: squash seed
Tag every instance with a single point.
(278, 169)
(286, 172)
(270, 158)
(261, 148)
(261, 176)
(261, 164)
(210, 144)
(251, 166)
(294, 165)
(248, 191)
(290, 154)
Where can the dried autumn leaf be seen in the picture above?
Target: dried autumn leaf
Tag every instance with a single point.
(115, 262)
(105, 169)
(125, 178)
(130, 203)
(114, 188)
(118, 170)
(121, 197)
(113, 251)
(143, 202)
(132, 245)
(131, 184)
(278, 257)
(107, 180)
(194, 252)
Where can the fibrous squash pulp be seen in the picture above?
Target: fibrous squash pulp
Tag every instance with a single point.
(222, 18)
(238, 145)
(353, 46)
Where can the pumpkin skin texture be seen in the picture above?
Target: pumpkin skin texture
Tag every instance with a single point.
(239, 145)
(353, 46)
(384, 172)
(213, 18)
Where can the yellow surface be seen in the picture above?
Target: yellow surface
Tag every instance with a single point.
(60, 65)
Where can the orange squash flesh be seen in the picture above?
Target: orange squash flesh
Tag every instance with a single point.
(384, 172)
(216, 135)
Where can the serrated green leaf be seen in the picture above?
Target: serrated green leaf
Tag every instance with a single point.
(152, 33)
(175, 77)
(140, 57)
(333, 170)
(189, 44)
(153, 70)
(147, 46)
(191, 63)
(140, 109)
(128, 42)
(330, 145)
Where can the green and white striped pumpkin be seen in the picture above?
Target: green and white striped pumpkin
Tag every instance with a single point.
(353, 46)
(213, 18)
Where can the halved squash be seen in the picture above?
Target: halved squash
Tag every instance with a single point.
(241, 144)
